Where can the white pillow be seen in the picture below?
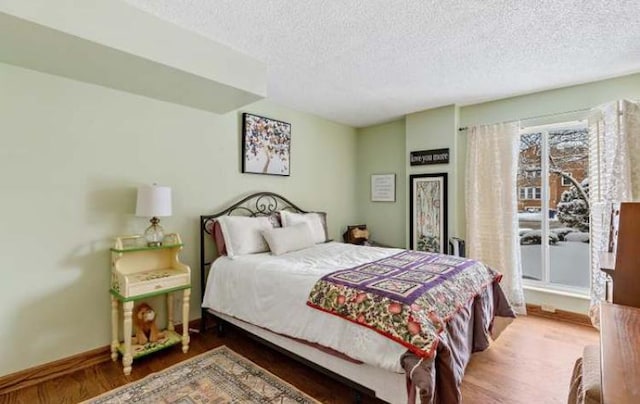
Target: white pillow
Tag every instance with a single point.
(242, 234)
(286, 239)
(316, 222)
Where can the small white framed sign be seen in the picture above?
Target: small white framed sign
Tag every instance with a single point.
(383, 187)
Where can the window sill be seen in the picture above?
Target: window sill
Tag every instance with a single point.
(559, 292)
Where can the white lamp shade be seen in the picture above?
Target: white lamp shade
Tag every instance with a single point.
(153, 200)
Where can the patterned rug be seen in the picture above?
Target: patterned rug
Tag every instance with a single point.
(219, 376)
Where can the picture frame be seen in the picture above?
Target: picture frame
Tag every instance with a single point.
(383, 187)
(266, 145)
(428, 212)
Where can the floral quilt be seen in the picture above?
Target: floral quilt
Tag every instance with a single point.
(407, 297)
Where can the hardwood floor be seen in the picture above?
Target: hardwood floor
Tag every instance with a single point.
(531, 362)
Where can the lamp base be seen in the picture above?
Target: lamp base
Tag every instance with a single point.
(154, 234)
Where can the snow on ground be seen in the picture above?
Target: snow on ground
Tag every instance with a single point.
(533, 217)
(569, 263)
(523, 230)
(577, 236)
(530, 216)
(534, 237)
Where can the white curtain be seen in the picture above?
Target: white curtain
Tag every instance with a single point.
(614, 176)
(491, 204)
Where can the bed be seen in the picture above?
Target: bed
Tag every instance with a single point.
(269, 296)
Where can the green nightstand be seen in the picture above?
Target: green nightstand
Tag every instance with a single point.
(139, 272)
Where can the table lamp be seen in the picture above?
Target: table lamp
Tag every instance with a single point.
(153, 201)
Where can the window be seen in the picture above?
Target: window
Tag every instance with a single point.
(554, 239)
(533, 174)
(530, 193)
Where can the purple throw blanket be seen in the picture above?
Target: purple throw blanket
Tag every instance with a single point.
(408, 297)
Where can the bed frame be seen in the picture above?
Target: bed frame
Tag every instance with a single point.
(362, 378)
(257, 204)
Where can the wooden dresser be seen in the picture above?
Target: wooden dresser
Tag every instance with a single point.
(622, 261)
(620, 353)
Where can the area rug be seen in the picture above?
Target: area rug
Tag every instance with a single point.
(219, 376)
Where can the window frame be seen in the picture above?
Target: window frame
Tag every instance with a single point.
(545, 283)
(530, 193)
(537, 193)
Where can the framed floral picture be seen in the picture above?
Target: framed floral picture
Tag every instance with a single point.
(428, 210)
(266, 145)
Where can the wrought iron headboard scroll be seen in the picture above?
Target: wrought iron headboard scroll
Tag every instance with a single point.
(257, 204)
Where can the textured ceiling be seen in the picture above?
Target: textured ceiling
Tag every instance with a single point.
(369, 61)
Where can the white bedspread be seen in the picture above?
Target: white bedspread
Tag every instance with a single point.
(272, 291)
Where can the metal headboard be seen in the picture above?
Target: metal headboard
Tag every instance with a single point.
(257, 204)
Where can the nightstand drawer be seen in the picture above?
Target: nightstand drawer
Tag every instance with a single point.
(155, 285)
(145, 282)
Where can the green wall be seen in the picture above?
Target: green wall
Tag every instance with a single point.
(71, 157)
(435, 129)
(381, 150)
(584, 96)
